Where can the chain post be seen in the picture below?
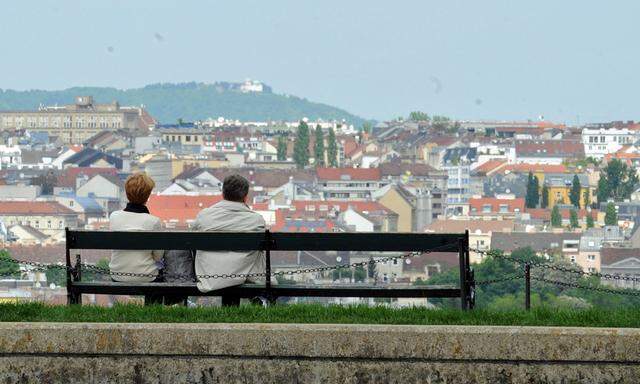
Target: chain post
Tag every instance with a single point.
(527, 287)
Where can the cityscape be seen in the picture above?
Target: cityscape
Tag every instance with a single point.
(360, 192)
(567, 193)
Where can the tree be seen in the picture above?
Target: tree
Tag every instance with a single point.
(8, 266)
(611, 216)
(282, 148)
(590, 223)
(603, 188)
(545, 197)
(419, 116)
(57, 276)
(619, 181)
(301, 147)
(535, 191)
(573, 219)
(586, 197)
(359, 274)
(318, 148)
(441, 123)
(367, 127)
(574, 193)
(532, 195)
(556, 218)
(332, 151)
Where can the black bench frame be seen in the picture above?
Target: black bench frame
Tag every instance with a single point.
(268, 241)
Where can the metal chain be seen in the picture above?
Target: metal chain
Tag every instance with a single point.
(597, 289)
(98, 270)
(544, 265)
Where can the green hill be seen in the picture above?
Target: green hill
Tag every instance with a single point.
(189, 101)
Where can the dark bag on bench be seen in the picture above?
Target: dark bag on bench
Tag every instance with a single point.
(179, 266)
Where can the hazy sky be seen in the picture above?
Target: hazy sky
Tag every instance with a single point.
(378, 59)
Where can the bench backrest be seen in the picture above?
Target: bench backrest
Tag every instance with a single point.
(283, 241)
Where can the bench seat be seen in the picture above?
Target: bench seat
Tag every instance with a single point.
(253, 290)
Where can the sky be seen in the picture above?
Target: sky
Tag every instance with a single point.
(569, 61)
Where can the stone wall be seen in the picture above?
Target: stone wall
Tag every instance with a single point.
(307, 353)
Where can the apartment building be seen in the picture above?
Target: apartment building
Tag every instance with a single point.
(598, 142)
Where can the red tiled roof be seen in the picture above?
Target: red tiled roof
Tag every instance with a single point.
(34, 207)
(180, 207)
(348, 173)
(545, 213)
(513, 205)
(549, 148)
(68, 177)
(609, 256)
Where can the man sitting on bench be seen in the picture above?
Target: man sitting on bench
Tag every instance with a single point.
(229, 215)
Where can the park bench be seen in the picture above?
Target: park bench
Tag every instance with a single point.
(77, 240)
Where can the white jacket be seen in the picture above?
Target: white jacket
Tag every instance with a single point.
(227, 216)
(143, 262)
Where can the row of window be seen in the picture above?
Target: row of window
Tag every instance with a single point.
(66, 122)
(36, 224)
(616, 139)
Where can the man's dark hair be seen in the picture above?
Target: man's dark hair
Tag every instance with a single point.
(235, 188)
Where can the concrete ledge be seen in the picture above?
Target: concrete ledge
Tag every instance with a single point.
(110, 352)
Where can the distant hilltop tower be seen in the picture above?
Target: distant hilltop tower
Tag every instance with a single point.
(251, 86)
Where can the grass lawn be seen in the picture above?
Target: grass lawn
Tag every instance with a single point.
(627, 318)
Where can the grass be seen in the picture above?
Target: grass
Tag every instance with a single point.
(36, 312)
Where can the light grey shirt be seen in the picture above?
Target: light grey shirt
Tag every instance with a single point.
(227, 216)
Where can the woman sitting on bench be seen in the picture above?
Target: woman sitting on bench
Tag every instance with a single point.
(136, 217)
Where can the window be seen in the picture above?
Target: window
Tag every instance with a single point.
(486, 208)
(504, 208)
(187, 138)
(591, 257)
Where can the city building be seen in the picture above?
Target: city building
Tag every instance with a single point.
(349, 183)
(47, 217)
(75, 123)
(599, 142)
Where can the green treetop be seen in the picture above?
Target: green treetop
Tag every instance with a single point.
(301, 146)
(617, 181)
(8, 267)
(419, 116)
(574, 193)
(556, 217)
(611, 216)
(532, 195)
(573, 219)
(282, 148)
(318, 148)
(544, 203)
(586, 197)
(332, 151)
